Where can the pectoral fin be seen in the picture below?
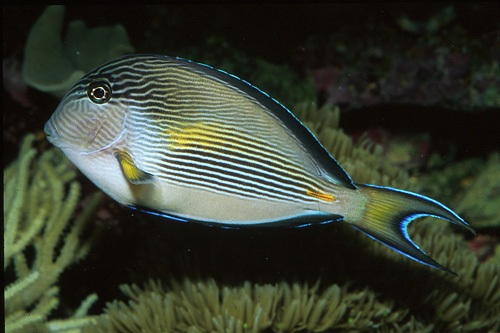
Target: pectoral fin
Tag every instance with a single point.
(130, 170)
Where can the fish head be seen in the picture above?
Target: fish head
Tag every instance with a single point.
(90, 125)
(90, 118)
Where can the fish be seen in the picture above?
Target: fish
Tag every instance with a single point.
(189, 142)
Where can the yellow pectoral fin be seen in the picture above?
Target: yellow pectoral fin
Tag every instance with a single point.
(130, 170)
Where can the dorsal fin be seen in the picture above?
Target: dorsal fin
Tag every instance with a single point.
(302, 133)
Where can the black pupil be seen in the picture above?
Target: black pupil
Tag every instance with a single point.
(99, 92)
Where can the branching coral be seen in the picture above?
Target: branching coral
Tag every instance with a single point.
(363, 161)
(40, 197)
(481, 200)
(424, 300)
(474, 187)
(469, 302)
(415, 299)
(406, 297)
(205, 306)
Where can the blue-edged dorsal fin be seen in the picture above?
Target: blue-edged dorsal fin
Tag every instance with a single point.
(130, 170)
(287, 118)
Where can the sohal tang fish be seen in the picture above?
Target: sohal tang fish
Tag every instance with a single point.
(198, 144)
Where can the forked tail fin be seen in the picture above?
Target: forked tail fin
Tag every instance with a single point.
(388, 213)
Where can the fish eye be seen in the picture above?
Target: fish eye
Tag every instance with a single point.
(99, 92)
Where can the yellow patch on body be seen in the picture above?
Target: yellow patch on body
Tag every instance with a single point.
(200, 134)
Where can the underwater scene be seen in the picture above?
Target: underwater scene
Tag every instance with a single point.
(203, 120)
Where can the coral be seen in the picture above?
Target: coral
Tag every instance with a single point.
(481, 200)
(440, 61)
(201, 306)
(403, 297)
(41, 239)
(484, 246)
(364, 286)
(469, 302)
(364, 161)
(473, 186)
(423, 301)
(53, 66)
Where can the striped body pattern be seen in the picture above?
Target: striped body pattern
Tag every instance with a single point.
(194, 143)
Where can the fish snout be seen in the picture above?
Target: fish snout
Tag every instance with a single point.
(51, 132)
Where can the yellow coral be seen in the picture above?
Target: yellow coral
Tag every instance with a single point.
(438, 302)
(470, 302)
(204, 306)
(37, 209)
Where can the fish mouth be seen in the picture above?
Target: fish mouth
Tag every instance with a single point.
(51, 132)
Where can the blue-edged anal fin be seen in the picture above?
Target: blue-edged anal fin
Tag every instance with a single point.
(387, 212)
(130, 170)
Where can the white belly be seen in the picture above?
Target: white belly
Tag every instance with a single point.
(193, 203)
(190, 203)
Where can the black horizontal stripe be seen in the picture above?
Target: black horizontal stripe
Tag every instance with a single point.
(185, 173)
(250, 148)
(251, 158)
(247, 168)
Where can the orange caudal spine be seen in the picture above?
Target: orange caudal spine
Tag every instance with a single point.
(321, 196)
